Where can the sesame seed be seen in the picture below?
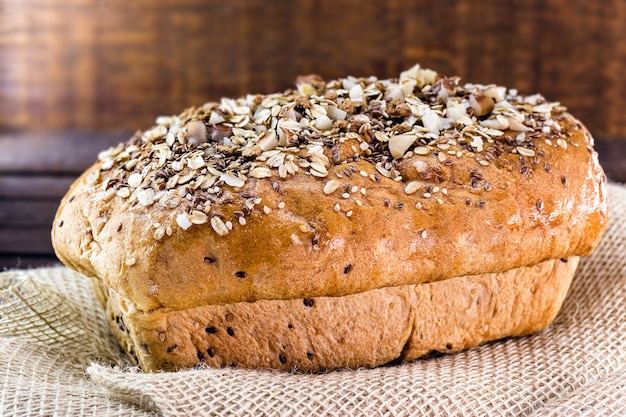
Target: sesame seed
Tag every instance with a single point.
(358, 202)
(230, 331)
(440, 201)
(242, 221)
(281, 205)
(337, 207)
(345, 195)
(240, 274)
(130, 261)
(427, 195)
(267, 210)
(418, 205)
(347, 268)
(349, 213)
(424, 234)
(211, 330)
(363, 174)
(363, 191)
(354, 189)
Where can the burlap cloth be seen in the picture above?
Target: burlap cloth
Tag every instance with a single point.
(57, 357)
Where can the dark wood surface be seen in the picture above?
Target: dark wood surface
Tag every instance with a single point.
(77, 76)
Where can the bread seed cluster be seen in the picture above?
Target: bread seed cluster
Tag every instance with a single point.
(205, 157)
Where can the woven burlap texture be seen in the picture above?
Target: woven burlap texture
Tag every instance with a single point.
(57, 357)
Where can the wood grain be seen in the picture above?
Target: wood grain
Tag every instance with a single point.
(34, 187)
(77, 76)
(53, 153)
(115, 65)
(25, 242)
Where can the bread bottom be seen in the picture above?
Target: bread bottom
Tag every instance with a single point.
(360, 330)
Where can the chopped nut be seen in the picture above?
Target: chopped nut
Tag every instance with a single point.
(268, 141)
(399, 144)
(481, 104)
(197, 132)
(134, 180)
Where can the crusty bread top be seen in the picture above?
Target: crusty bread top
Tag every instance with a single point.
(335, 188)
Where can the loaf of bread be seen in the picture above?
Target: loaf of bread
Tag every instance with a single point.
(343, 223)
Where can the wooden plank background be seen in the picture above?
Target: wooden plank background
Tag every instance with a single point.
(79, 75)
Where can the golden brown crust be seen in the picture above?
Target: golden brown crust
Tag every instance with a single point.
(369, 196)
(466, 231)
(360, 330)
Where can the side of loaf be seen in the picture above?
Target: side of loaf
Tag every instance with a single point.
(332, 189)
(361, 330)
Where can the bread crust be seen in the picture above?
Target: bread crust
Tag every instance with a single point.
(420, 214)
(380, 245)
(361, 330)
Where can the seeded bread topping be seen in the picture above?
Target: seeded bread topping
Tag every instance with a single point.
(334, 188)
(191, 163)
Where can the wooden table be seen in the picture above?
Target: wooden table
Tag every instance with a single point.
(78, 76)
